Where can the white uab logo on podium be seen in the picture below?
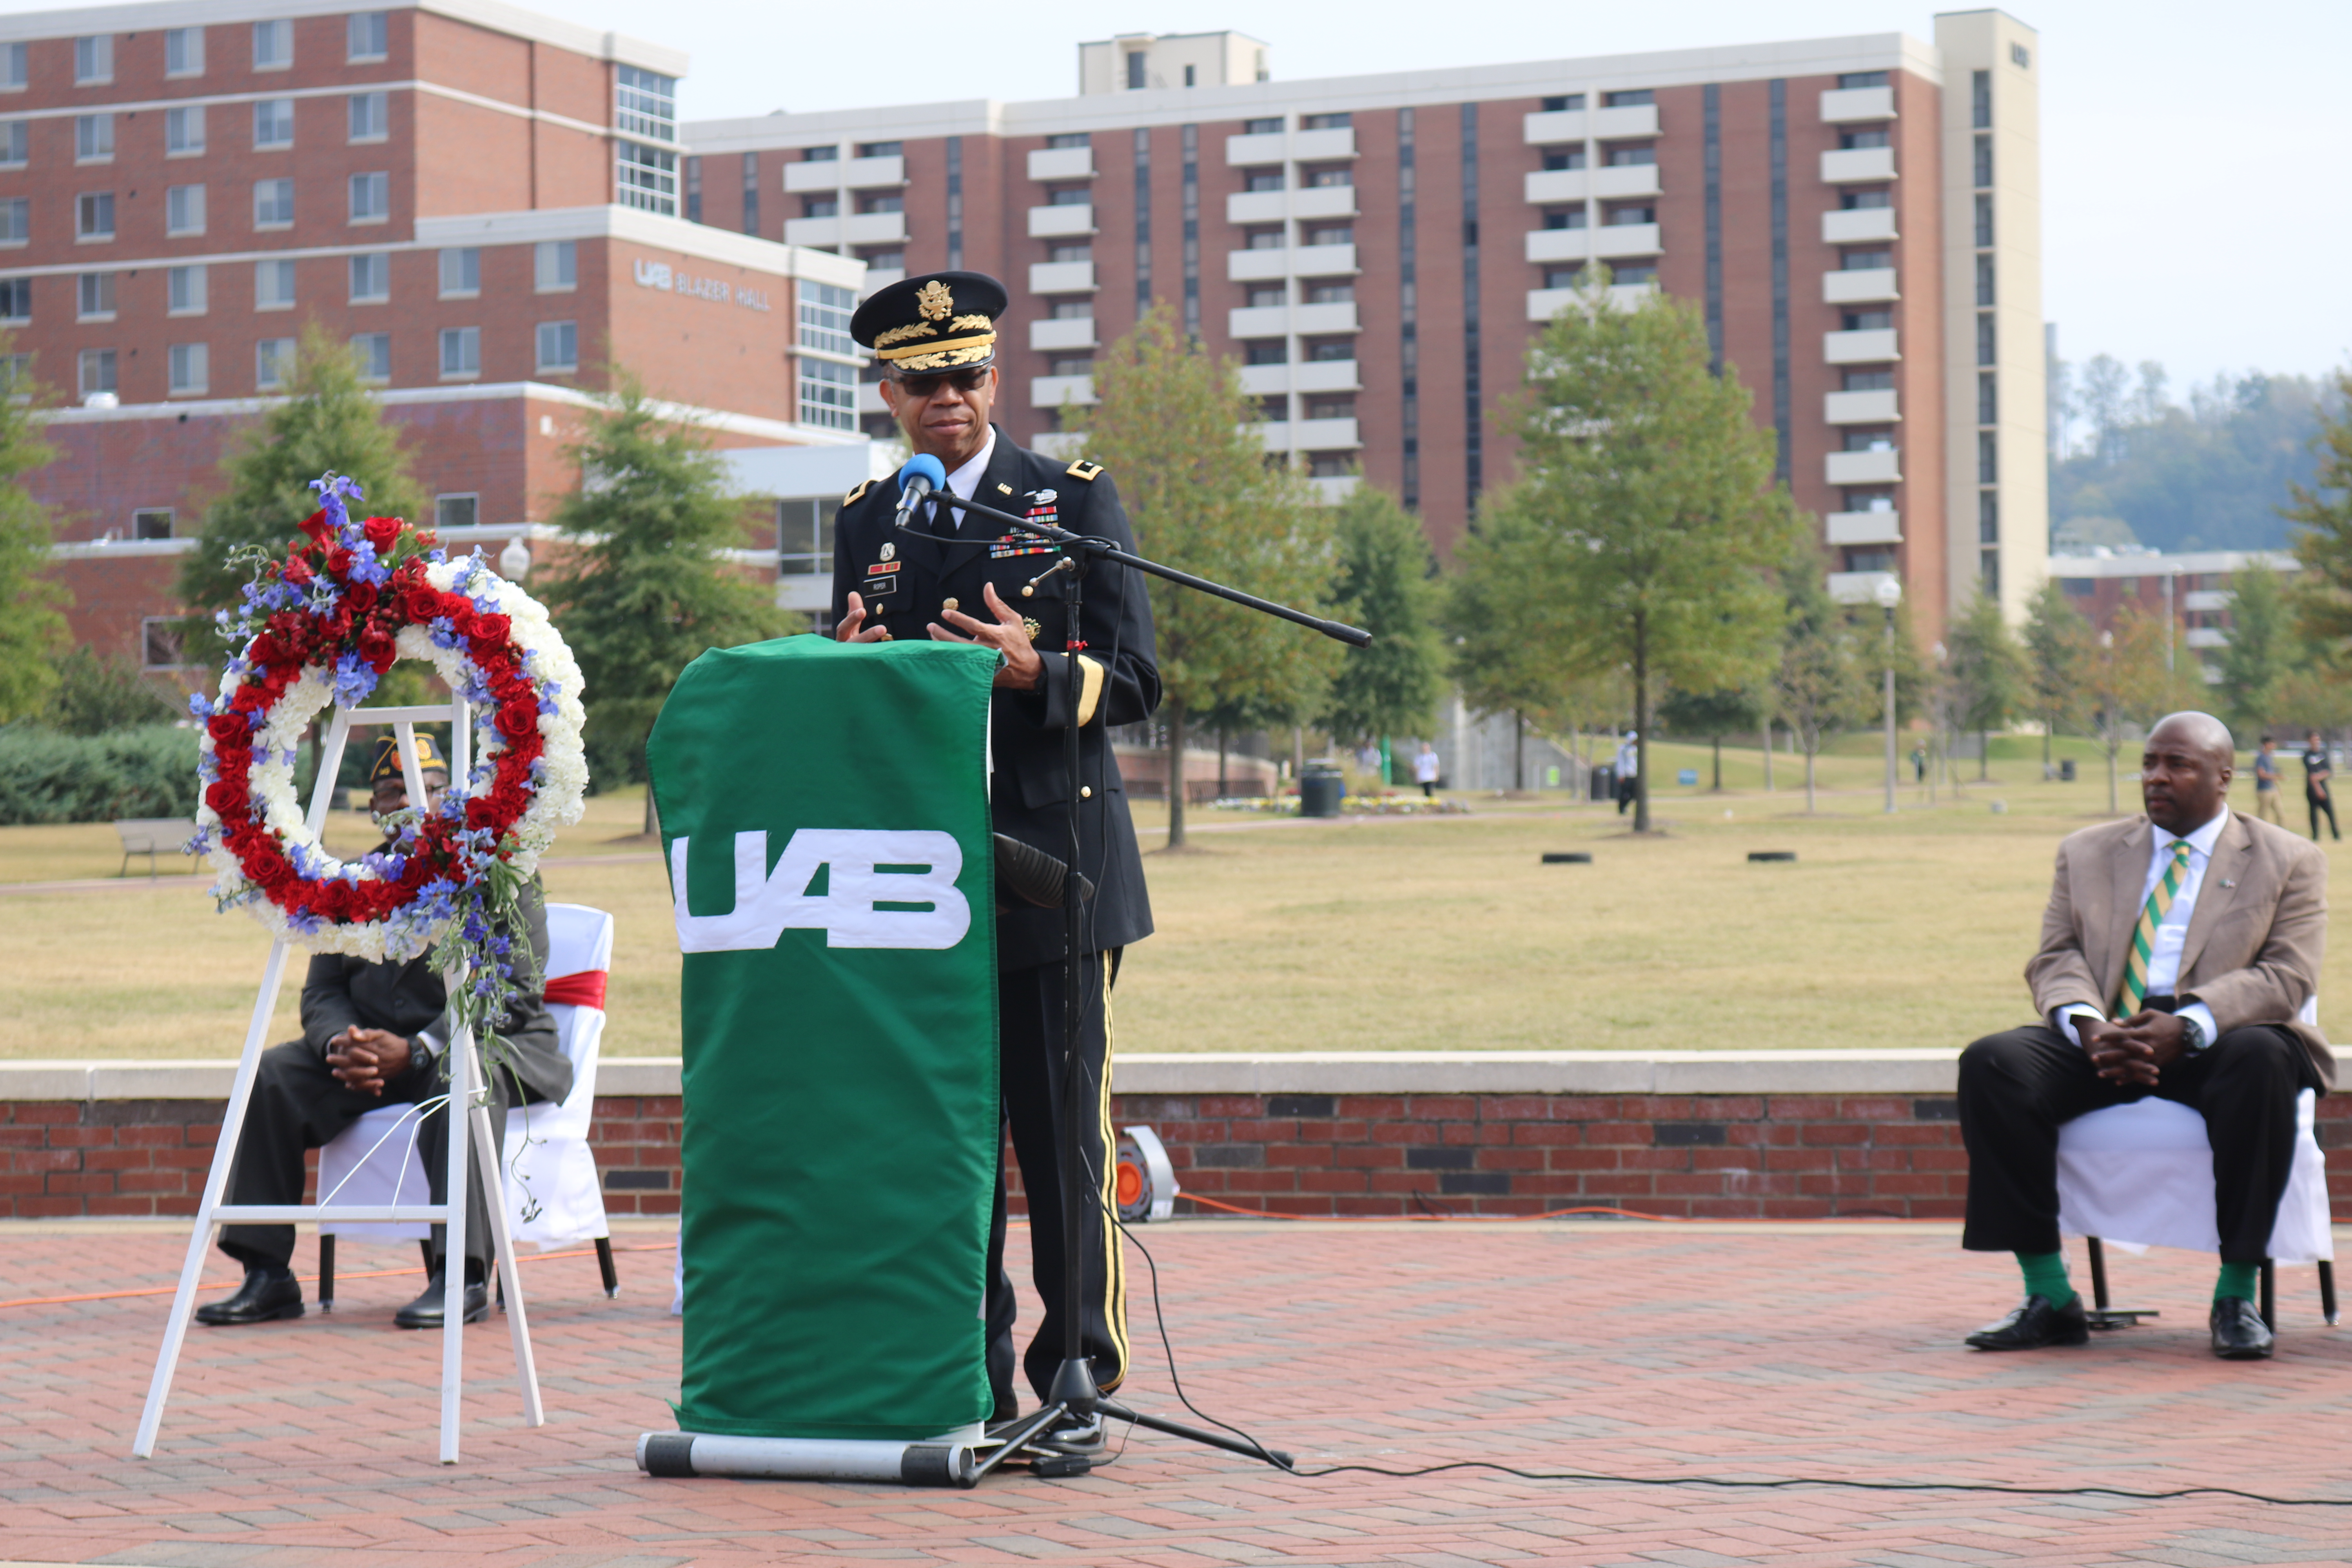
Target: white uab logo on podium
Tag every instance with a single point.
(913, 873)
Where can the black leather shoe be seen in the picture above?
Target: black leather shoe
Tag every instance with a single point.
(425, 1312)
(2034, 1325)
(267, 1294)
(2238, 1332)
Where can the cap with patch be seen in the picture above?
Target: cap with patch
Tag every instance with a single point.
(387, 758)
(935, 321)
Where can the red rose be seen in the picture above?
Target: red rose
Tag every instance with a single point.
(227, 730)
(382, 532)
(315, 525)
(376, 647)
(275, 877)
(338, 560)
(516, 719)
(493, 629)
(226, 797)
(361, 597)
(297, 570)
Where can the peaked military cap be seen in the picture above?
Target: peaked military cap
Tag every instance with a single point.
(935, 321)
(387, 758)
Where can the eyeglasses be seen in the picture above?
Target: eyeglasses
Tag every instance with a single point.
(920, 387)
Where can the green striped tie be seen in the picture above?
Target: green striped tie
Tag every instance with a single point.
(2142, 943)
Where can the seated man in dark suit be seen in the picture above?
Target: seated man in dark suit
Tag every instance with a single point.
(373, 1033)
(2177, 951)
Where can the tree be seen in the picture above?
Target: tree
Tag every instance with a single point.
(1384, 585)
(1497, 656)
(2263, 649)
(1714, 714)
(2128, 684)
(1824, 680)
(95, 696)
(328, 420)
(2323, 545)
(2058, 645)
(1646, 519)
(646, 589)
(31, 623)
(1990, 678)
(1175, 430)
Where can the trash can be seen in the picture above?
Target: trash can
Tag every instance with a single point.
(2066, 770)
(1604, 781)
(1320, 789)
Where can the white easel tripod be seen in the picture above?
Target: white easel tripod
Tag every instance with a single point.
(470, 1131)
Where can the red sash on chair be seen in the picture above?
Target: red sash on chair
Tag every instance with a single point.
(585, 989)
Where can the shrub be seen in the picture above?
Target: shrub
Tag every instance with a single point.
(47, 777)
(94, 696)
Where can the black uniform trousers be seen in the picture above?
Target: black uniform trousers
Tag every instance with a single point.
(2018, 1088)
(298, 1104)
(2319, 802)
(1029, 1033)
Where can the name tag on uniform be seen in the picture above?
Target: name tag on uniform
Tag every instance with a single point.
(882, 580)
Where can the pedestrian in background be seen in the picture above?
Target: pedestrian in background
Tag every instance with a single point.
(1629, 760)
(2317, 771)
(1424, 770)
(2266, 786)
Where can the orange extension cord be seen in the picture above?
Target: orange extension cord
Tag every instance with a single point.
(305, 1278)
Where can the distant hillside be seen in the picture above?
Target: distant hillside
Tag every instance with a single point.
(2211, 476)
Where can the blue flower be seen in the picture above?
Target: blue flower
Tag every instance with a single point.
(355, 680)
(199, 705)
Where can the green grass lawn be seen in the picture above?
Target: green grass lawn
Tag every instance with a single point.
(1276, 935)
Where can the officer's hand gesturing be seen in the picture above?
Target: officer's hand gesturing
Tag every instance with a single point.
(853, 626)
(1023, 670)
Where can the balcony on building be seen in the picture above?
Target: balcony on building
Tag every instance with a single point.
(869, 398)
(1543, 304)
(1334, 489)
(1622, 239)
(2206, 637)
(1058, 333)
(2208, 600)
(1298, 261)
(1322, 321)
(1548, 187)
(1856, 165)
(1878, 466)
(1866, 527)
(878, 279)
(1861, 407)
(1061, 222)
(1275, 434)
(1319, 146)
(1323, 201)
(1061, 278)
(819, 233)
(1859, 286)
(1860, 348)
(1323, 434)
(867, 174)
(1054, 391)
(1062, 163)
(1843, 106)
(1561, 244)
(1621, 124)
(1859, 587)
(804, 175)
(1550, 128)
(855, 229)
(1258, 322)
(1852, 225)
(1257, 207)
(1324, 375)
(1624, 180)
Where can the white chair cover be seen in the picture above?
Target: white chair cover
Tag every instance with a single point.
(554, 1194)
(2141, 1175)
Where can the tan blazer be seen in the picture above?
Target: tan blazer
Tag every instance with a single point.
(2253, 945)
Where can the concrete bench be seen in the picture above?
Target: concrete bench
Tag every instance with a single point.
(150, 837)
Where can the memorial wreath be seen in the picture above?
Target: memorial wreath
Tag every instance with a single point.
(349, 598)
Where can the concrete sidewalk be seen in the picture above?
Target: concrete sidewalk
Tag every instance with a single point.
(1642, 1350)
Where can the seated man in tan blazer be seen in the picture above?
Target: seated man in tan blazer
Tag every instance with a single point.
(2177, 950)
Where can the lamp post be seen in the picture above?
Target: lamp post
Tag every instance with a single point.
(514, 560)
(1889, 593)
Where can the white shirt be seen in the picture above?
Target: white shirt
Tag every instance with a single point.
(1424, 768)
(1627, 758)
(2164, 957)
(966, 479)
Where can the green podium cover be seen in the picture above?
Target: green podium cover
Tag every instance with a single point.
(825, 811)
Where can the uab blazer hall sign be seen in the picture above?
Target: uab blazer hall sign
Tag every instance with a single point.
(677, 280)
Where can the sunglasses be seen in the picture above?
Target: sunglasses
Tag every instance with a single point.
(920, 387)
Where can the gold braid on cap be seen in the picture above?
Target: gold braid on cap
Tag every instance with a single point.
(970, 324)
(900, 334)
(941, 356)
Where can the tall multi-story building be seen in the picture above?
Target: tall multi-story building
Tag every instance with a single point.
(482, 202)
(1856, 217)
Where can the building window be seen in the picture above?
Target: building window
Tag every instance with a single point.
(1984, 220)
(16, 220)
(1563, 103)
(645, 104)
(94, 216)
(1874, 136)
(372, 278)
(1329, 179)
(1630, 273)
(1331, 292)
(1265, 295)
(184, 131)
(1865, 320)
(15, 144)
(1849, 81)
(1065, 253)
(1866, 441)
(559, 346)
(370, 198)
(273, 122)
(273, 362)
(694, 189)
(1331, 465)
(820, 206)
(894, 202)
(152, 522)
(1269, 126)
(371, 116)
(16, 301)
(1328, 234)
(1325, 122)
(1986, 343)
(1868, 381)
(828, 154)
(369, 37)
(1071, 311)
(828, 394)
(1329, 351)
(1566, 217)
(1865, 260)
(1621, 215)
(804, 536)
(1984, 280)
(1567, 276)
(555, 265)
(1981, 99)
(1135, 70)
(1636, 98)
(1070, 139)
(273, 46)
(13, 70)
(881, 148)
(1263, 179)
(1265, 239)
(1865, 200)
(1555, 158)
(1340, 405)
(273, 203)
(461, 351)
(750, 192)
(1988, 517)
(882, 259)
(273, 285)
(1987, 457)
(647, 178)
(159, 643)
(97, 371)
(190, 365)
(183, 210)
(1988, 400)
(1266, 351)
(93, 59)
(94, 299)
(461, 272)
(1632, 156)
(1984, 161)
(93, 138)
(187, 288)
(456, 512)
(824, 318)
(372, 352)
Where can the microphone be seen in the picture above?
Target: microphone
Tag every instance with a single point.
(921, 476)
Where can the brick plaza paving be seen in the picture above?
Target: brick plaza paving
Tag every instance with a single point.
(1655, 1350)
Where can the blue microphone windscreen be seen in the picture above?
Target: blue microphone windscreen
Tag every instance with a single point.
(925, 464)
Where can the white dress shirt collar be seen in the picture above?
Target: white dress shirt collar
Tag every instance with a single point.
(2201, 839)
(966, 478)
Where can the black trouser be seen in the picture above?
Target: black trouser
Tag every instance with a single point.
(1029, 1032)
(1625, 793)
(1428, 790)
(299, 1103)
(2318, 803)
(2017, 1090)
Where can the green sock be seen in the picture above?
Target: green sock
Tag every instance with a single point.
(2237, 1280)
(2046, 1276)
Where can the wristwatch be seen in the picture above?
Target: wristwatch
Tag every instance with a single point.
(419, 1057)
(2192, 1035)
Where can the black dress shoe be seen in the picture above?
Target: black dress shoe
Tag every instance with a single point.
(267, 1294)
(425, 1312)
(2238, 1332)
(2035, 1324)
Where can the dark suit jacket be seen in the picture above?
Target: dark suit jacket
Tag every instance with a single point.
(1118, 681)
(2252, 947)
(409, 999)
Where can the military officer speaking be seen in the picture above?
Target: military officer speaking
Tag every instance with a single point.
(960, 577)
